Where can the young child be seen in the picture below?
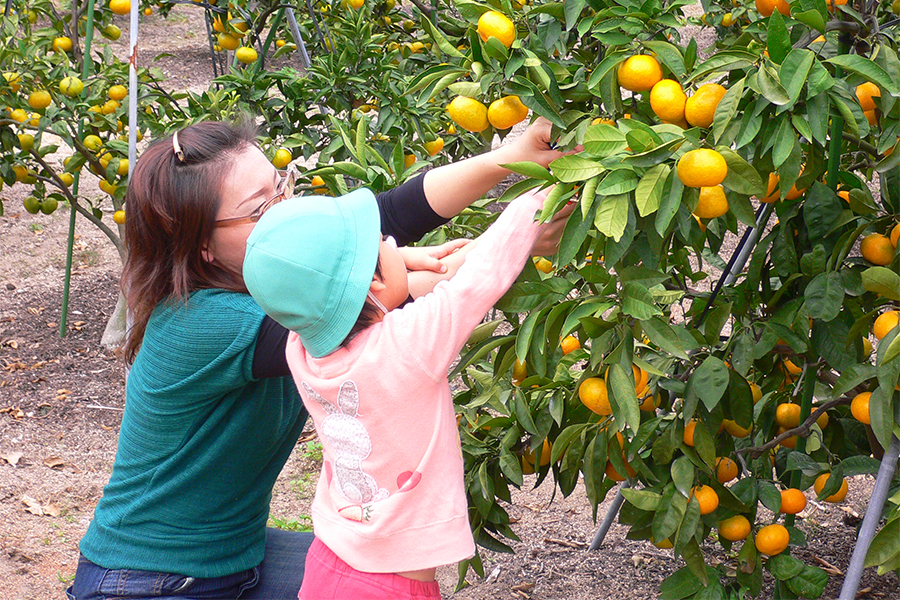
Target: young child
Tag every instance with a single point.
(390, 505)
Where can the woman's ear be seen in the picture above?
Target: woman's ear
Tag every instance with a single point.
(207, 254)
(377, 285)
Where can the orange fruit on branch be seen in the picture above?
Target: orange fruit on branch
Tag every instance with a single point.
(735, 528)
(569, 344)
(707, 497)
(767, 7)
(792, 501)
(496, 24)
(859, 407)
(838, 496)
(877, 249)
(726, 469)
(39, 99)
(468, 113)
(866, 92)
(592, 393)
(787, 415)
(702, 168)
(639, 73)
(700, 109)
(667, 100)
(886, 321)
(506, 112)
(120, 7)
(712, 203)
(772, 539)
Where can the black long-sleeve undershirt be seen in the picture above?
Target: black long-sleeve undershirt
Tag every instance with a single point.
(405, 215)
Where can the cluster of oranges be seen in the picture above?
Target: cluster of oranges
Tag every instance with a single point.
(702, 168)
(470, 113)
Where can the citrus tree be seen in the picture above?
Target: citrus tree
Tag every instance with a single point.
(625, 360)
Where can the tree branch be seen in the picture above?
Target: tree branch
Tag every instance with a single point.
(803, 429)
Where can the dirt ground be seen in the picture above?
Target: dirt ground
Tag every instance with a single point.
(61, 403)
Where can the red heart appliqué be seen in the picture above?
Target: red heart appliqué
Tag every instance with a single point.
(407, 480)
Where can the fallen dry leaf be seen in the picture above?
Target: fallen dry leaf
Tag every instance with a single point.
(14, 366)
(54, 462)
(51, 510)
(14, 411)
(32, 506)
(35, 310)
(12, 458)
(64, 391)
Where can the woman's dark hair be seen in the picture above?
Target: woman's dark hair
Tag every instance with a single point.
(172, 204)
(367, 316)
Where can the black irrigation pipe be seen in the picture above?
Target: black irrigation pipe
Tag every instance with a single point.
(740, 253)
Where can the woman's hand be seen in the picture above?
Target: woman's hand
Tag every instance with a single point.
(535, 144)
(428, 258)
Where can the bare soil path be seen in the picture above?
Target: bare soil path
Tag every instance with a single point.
(61, 403)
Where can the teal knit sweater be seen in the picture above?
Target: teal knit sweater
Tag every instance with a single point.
(200, 446)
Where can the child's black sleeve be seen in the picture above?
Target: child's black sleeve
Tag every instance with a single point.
(405, 212)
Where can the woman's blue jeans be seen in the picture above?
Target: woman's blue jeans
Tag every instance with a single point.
(278, 577)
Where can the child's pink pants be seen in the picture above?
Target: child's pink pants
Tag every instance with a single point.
(327, 577)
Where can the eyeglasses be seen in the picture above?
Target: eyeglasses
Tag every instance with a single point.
(284, 190)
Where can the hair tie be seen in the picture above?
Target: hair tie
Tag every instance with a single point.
(177, 147)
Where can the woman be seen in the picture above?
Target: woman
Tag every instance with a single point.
(211, 412)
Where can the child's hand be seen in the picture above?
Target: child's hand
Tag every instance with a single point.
(428, 258)
(551, 232)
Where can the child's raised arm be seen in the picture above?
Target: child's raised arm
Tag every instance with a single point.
(437, 326)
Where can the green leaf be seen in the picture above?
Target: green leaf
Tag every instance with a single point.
(603, 140)
(623, 397)
(778, 38)
(710, 381)
(443, 43)
(683, 475)
(882, 280)
(824, 296)
(642, 499)
(693, 556)
(784, 566)
(810, 583)
(726, 60)
(669, 515)
(680, 584)
(575, 168)
(794, 71)
(769, 495)
(727, 108)
(893, 350)
(868, 69)
(669, 55)
(813, 18)
(886, 544)
(741, 177)
(770, 86)
(638, 302)
(612, 216)
(785, 140)
(661, 334)
(562, 441)
(530, 169)
(620, 181)
(523, 414)
(648, 193)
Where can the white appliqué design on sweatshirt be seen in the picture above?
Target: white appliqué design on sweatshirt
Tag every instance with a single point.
(351, 444)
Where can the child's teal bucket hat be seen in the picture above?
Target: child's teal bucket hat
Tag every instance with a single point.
(310, 261)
